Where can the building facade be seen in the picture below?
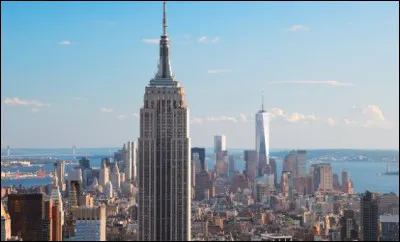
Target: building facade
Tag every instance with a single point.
(164, 165)
(369, 217)
(90, 223)
(262, 139)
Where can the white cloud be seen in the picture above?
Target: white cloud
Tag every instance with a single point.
(331, 122)
(79, 98)
(136, 115)
(278, 112)
(35, 110)
(20, 102)
(324, 83)
(221, 118)
(244, 117)
(196, 121)
(65, 42)
(202, 39)
(297, 27)
(215, 40)
(106, 110)
(151, 41)
(349, 121)
(295, 117)
(375, 118)
(121, 117)
(208, 39)
(218, 71)
(374, 112)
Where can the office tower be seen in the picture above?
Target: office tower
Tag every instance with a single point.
(61, 175)
(345, 180)
(289, 161)
(203, 183)
(116, 177)
(90, 223)
(193, 174)
(5, 224)
(129, 150)
(262, 139)
(251, 164)
(348, 226)
(57, 210)
(322, 177)
(84, 163)
(285, 183)
(26, 212)
(104, 174)
(388, 204)
(221, 163)
(109, 190)
(164, 166)
(47, 232)
(272, 165)
(369, 217)
(197, 162)
(389, 225)
(219, 143)
(202, 155)
(231, 165)
(300, 164)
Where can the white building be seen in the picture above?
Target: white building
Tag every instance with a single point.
(262, 138)
(116, 177)
(164, 166)
(90, 223)
(219, 143)
(104, 174)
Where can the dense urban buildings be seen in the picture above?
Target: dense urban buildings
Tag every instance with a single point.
(164, 164)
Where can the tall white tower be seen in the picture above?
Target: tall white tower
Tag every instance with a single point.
(164, 167)
(262, 138)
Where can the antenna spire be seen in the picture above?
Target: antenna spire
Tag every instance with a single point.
(262, 101)
(165, 18)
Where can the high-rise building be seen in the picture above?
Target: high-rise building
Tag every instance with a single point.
(322, 177)
(300, 167)
(203, 183)
(272, 166)
(369, 217)
(5, 224)
(47, 227)
(262, 138)
(197, 162)
(116, 177)
(61, 175)
(104, 174)
(231, 165)
(57, 210)
(389, 225)
(348, 226)
(27, 214)
(164, 166)
(90, 223)
(345, 181)
(202, 157)
(129, 154)
(251, 164)
(219, 143)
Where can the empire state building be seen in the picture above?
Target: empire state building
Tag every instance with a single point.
(164, 176)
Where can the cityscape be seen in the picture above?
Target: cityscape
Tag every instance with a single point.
(175, 181)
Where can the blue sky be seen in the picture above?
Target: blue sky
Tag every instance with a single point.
(75, 72)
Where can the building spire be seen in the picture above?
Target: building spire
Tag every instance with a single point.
(262, 101)
(165, 19)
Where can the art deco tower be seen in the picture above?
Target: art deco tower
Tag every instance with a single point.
(262, 138)
(164, 169)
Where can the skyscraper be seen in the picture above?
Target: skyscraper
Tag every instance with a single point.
(90, 223)
(164, 167)
(322, 176)
(251, 164)
(202, 156)
(61, 174)
(5, 224)
(27, 215)
(219, 143)
(369, 217)
(129, 156)
(262, 138)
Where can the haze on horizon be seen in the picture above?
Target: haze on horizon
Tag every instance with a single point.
(75, 72)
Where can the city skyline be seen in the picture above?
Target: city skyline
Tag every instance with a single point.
(82, 72)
